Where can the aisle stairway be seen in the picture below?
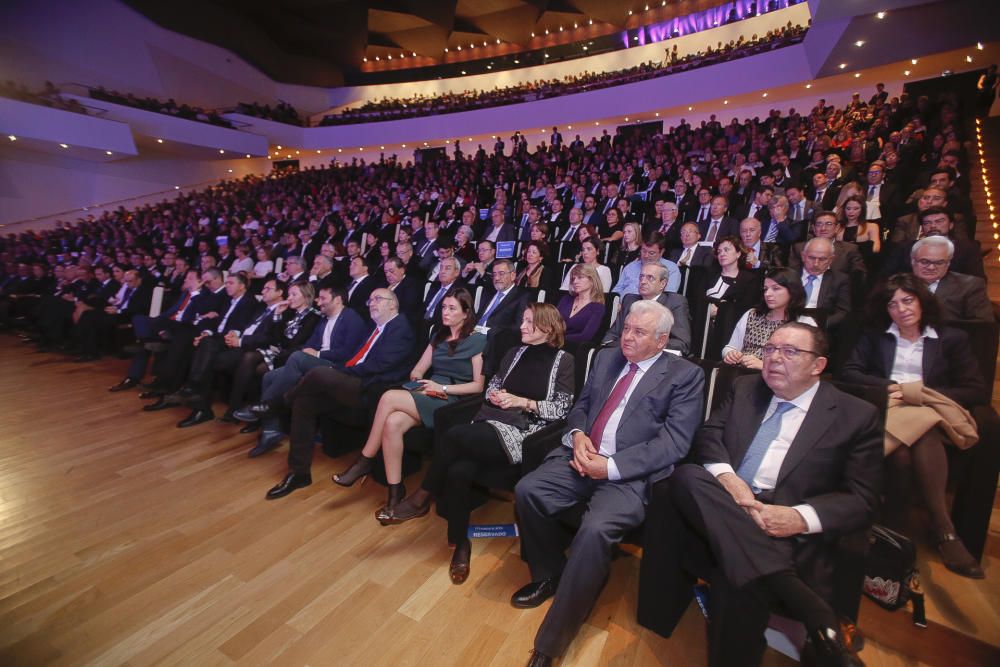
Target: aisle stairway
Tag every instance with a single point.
(986, 160)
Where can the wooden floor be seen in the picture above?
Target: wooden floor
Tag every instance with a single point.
(124, 540)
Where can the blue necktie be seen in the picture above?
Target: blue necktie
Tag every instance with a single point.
(810, 280)
(434, 302)
(493, 306)
(766, 434)
(772, 233)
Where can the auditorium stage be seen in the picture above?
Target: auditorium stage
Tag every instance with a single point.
(126, 540)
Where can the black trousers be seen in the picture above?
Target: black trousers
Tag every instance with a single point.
(247, 379)
(459, 458)
(211, 357)
(321, 391)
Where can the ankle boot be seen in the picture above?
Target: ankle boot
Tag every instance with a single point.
(386, 515)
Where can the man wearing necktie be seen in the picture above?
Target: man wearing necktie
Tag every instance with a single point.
(633, 422)
(99, 324)
(499, 316)
(782, 469)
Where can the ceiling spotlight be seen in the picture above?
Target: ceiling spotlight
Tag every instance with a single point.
(498, 40)
(626, 119)
(913, 61)
(857, 75)
(647, 8)
(177, 187)
(389, 57)
(630, 12)
(584, 48)
(463, 71)
(979, 45)
(318, 153)
(108, 153)
(230, 171)
(809, 85)
(279, 148)
(248, 154)
(764, 95)
(596, 123)
(560, 28)
(968, 59)
(546, 55)
(414, 54)
(159, 141)
(12, 137)
(340, 150)
(470, 138)
(663, 4)
(880, 15)
(906, 72)
(517, 62)
(404, 146)
(575, 25)
(472, 46)
(591, 22)
(843, 65)
(459, 47)
(296, 152)
(484, 43)
(381, 148)
(446, 49)
(63, 146)
(425, 143)
(376, 57)
(221, 152)
(489, 67)
(365, 59)
(689, 109)
(532, 34)
(546, 31)
(860, 42)
(725, 101)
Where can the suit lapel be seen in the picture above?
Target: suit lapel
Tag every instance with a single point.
(649, 381)
(821, 417)
(887, 346)
(932, 350)
(606, 386)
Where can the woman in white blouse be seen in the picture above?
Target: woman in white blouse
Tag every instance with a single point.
(264, 265)
(242, 261)
(590, 251)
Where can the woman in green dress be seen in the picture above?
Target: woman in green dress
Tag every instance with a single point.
(450, 367)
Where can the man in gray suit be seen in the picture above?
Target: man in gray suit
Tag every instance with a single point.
(961, 297)
(634, 421)
(652, 281)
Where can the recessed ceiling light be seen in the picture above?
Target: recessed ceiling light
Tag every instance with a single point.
(764, 95)
(860, 42)
(340, 150)
(177, 187)
(809, 85)
(248, 154)
(159, 141)
(318, 153)
(968, 59)
(880, 15)
(979, 45)
(517, 62)
(906, 72)
(230, 170)
(108, 153)
(221, 152)
(596, 123)
(857, 75)
(279, 148)
(463, 71)
(843, 65)
(12, 137)
(63, 146)
(725, 101)
(365, 59)
(913, 61)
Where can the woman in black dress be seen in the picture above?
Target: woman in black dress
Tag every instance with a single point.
(532, 388)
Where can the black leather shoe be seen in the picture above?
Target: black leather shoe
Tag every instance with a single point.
(534, 594)
(261, 409)
(162, 404)
(124, 385)
(245, 415)
(251, 428)
(146, 395)
(267, 441)
(539, 659)
(228, 418)
(196, 417)
(291, 482)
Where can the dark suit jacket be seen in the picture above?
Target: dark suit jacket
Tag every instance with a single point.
(507, 233)
(658, 421)
(429, 297)
(964, 297)
(968, 259)
(358, 301)
(703, 256)
(834, 297)
(241, 317)
(507, 314)
(390, 358)
(727, 227)
(834, 463)
(349, 333)
(680, 333)
(410, 293)
(948, 365)
(846, 258)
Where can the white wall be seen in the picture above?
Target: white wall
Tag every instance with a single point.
(104, 42)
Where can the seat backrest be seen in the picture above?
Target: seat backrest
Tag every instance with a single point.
(877, 396)
(156, 304)
(983, 340)
(711, 370)
(279, 264)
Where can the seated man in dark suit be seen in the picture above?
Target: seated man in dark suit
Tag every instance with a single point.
(360, 286)
(99, 323)
(718, 224)
(761, 255)
(385, 357)
(966, 257)
(846, 256)
(826, 289)
(499, 314)
(481, 272)
(961, 297)
(652, 281)
(238, 311)
(407, 289)
(785, 466)
(633, 422)
(692, 252)
(448, 277)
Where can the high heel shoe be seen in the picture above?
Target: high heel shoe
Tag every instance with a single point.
(410, 508)
(358, 470)
(386, 515)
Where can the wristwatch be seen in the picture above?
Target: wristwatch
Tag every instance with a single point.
(444, 388)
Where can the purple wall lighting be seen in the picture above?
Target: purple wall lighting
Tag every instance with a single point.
(698, 21)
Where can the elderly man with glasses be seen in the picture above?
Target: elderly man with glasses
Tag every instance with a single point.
(783, 467)
(846, 256)
(961, 297)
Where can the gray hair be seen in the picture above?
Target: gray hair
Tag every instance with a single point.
(452, 260)
(295, 258)
(662, 274)
(817, 239)
(665, 319)
(931, 241)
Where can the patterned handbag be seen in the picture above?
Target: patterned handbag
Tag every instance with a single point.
(891, 576)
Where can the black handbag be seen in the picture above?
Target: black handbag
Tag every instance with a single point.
(891, 576)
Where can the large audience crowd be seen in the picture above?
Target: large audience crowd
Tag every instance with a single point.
(425, 105)
(404, 289)
(47, 97)
(169, 107)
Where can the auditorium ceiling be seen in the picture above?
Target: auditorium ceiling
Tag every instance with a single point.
(324, 42)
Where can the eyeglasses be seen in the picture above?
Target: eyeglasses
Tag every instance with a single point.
(787, 351)
(647, 277)
(824, 223)
(932, 263)
(501, 274)
(376, 299)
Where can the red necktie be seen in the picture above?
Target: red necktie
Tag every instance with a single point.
(364, 349)
(180, 311)
(616, 397)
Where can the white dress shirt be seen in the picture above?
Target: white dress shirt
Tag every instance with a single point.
(607, 447)
(813, 298)
(908, 363)
(331, 322)
(770, 466)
